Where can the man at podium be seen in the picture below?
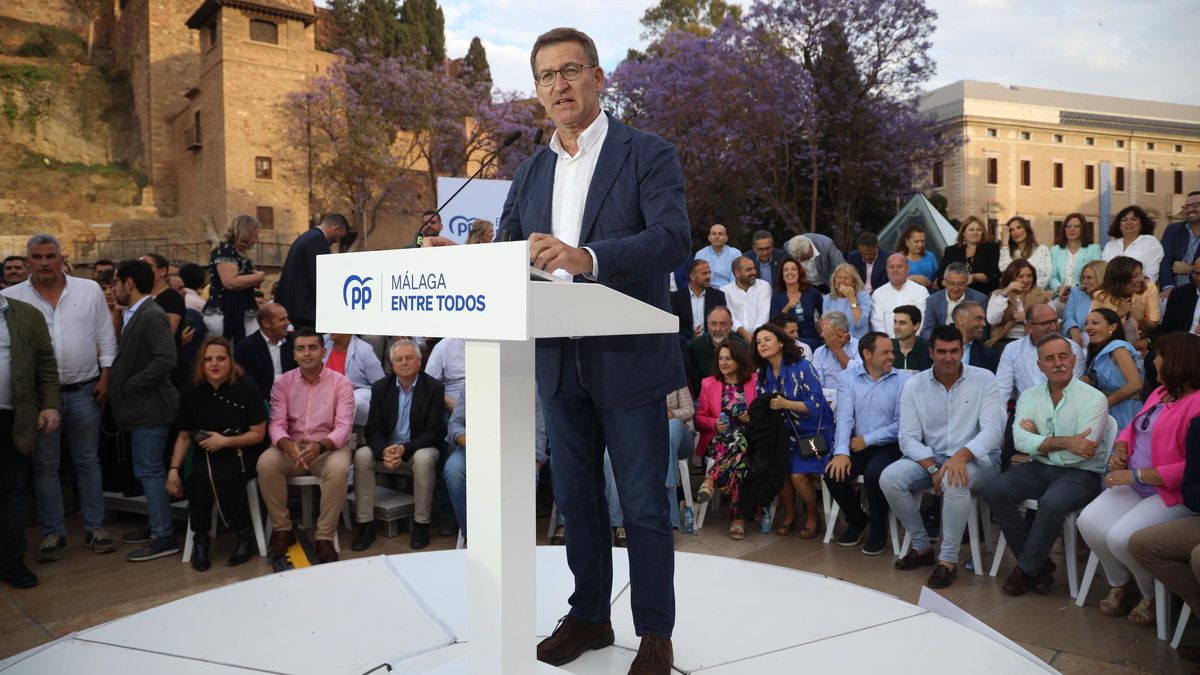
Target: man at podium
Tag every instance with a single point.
(606, 205)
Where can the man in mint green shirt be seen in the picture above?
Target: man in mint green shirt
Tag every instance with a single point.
(1060, 425)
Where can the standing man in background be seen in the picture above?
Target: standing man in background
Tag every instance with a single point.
(297, 290)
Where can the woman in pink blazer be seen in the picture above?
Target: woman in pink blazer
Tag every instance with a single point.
(1145, 472)
(722, 418)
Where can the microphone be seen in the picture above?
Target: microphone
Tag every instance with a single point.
(508, 140)
(505, 234)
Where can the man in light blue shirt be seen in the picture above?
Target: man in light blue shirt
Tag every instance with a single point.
(839, 352)
(1060, 424)
(951, 421)
(720, 257)
(868, 426)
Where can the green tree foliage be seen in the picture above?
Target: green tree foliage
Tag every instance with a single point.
(424, 29)
(475, 64)
(369, 26)
(695, 16)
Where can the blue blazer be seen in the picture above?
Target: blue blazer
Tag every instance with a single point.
(935, 310)
(878, 272)
(1174, 243)
(635, 221)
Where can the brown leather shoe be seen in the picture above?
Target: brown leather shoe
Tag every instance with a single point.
(572, 637)
(1045, 578)
(942, 576)
(655, 657)
(912, 560)
(280, 541)
(1017, 584)
(325, 552)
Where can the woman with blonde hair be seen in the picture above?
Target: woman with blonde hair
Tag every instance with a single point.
(975, 249)
(231, 310)
(1079, 301)
(1006, 306)
(482, 232)
(847, 295)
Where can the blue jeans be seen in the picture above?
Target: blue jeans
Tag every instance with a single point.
(579, 429)
(147, 447)
(904, 477)
(81, 422)
(455, 472)
(682, 445)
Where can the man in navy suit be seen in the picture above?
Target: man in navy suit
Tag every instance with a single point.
(606, 205)
(867, 254)
(940, 305)
(699, 294)
(969, 318)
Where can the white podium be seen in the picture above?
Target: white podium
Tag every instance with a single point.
(484, 293)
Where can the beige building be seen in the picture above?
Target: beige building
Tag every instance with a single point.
(1043, 154)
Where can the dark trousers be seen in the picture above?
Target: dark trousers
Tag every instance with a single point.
(869, 464)
(578, 430)
(227, 482)
(14, 495)
(1058, 491)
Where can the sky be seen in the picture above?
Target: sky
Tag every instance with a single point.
(1142, 49)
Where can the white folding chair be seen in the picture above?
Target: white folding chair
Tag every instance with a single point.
(833, 510)
(979, 514)
(1184, 615)
(255, 523)
(307, 484)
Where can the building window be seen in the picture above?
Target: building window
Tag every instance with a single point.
(939, 175)
(1089, 177)
(1178, 182)
(1151, 146)
(993, 171)
(266, 217)
(264, 31)
(1149, 181)
(210, 34)
(991, 133)
(1178, 147)
(1120, 142)
(1058, 175)
(1089, 141)
(262, 168)
(1026, 173)
(1025, 136)
(191, 135)
(1058, 138)
(1119, 179)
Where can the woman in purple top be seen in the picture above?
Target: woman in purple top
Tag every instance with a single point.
(1144, 477)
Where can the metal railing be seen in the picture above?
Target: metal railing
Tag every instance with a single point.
(87, 251)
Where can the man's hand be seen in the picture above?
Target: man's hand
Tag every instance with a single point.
(1028, 425)
(697, 331)
(393, 456)
(839, 468)
(549, 253)
(858, 444)
(954, 472)
(100, 391)
(47, 421)
(1080, 444)
(1180, 267)
(185, 337)
(309, 450)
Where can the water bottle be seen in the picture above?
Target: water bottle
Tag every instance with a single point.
(689, 521)
(724, 419)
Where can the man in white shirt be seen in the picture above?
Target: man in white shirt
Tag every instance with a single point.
(748, 297)
(897, 292)
(448, 365)
(85, 345)
(719, 255)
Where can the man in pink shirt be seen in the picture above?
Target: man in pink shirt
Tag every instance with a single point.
(312, 416)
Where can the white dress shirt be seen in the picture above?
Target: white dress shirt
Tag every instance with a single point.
(697, 308)
(273, 349)
(1146, 249)
(80, 327)
(448, 365)
(572, 178)
(751, 308)
(886, 299)
(1018, 369)
(870, 268)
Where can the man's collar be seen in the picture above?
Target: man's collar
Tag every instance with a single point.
(695, 294)
(400, 384)
(586, 141)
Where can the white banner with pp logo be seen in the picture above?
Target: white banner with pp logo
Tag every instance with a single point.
(483, 198)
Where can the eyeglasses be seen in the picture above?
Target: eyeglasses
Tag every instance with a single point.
(1190, 206)
(1051, 322)
(570, 72)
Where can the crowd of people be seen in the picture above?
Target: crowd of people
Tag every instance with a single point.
(999, 370)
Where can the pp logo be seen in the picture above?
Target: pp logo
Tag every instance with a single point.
(356, 294)
(460, 226)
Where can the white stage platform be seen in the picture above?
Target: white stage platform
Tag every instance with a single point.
(409, 612)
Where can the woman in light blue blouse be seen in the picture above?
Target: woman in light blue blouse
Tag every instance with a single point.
(1073, 248)
(922, 265)
(1112, 365)
(1079, 301)
(847, 295)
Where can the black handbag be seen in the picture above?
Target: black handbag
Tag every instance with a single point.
(812, 446)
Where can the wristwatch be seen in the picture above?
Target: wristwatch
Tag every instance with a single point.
(933, 469)
(854, 305)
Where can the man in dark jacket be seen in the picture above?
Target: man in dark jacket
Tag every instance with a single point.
(1180, 315)
(869, 254)
(298, 282)
(405, 432)
(29, 403)
(267, 352)
(144, 402)
(698, 294)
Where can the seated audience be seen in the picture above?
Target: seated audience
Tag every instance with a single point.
(897, 292)
(719, 255)
(951, 422)
(818, 255)
(1181, 247)
(939, 308)
(869, 260)
(847, 295)
(788, 323)
(1113, 365)
(922, 264)
(693, 303)
(222, 422)
(1132, 234)
(767, 258)
(911, 353)
(1145, 473)
(1018, 242)
(1079, 301)
(406, 432)
(795, 295)
(351, 356)
(1018, 369)
(1183, 311)
(1072, 250)
(838, 352)
(1134, 298)
(680, 411)
(702, 350)
(792, 384)
(975, 249)
(748, 297)
(970, 321)
(1006, 306)
(448, 365)
(482, 232)
(269, 351)
(868, 424)
(312, 416)
(1061, 425)
(721, 419)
